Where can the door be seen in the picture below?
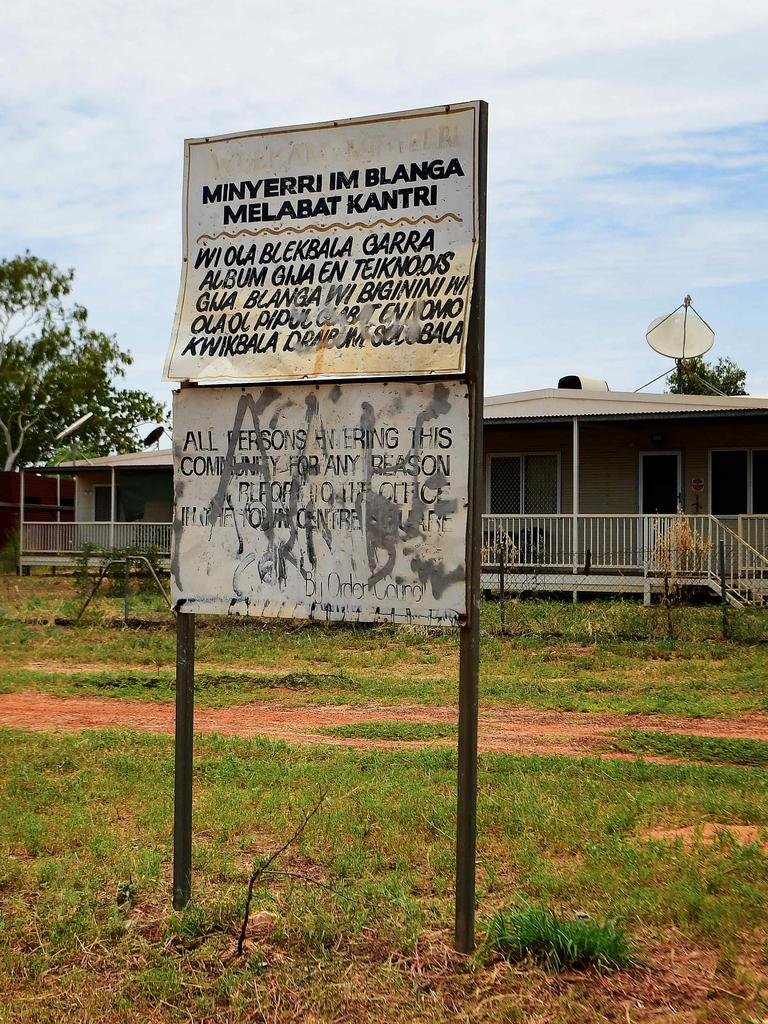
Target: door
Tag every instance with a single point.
(102, 504)
(660, 483)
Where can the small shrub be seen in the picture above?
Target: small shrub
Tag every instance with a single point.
(126, 893)
(679, 552)
(557, 942)
(503, 548)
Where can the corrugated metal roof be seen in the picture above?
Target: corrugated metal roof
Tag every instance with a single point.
(134, 460)
(548, 403)
(530, 406)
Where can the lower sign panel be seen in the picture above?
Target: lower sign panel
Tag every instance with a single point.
(338, 502)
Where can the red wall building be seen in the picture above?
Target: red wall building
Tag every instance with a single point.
(42, 502)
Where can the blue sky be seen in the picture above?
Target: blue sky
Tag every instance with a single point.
(628, 154)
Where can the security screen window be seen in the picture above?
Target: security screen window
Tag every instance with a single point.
(523, 484)
(505, 490)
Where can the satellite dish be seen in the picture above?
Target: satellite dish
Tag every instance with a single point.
(73, 427)
(681, 334)
(153, 435)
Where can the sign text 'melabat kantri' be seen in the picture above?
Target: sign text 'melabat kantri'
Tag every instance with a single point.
(331, 250)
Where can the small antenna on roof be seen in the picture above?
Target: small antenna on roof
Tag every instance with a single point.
(153, 436)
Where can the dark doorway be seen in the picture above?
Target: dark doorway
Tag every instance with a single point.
(660, 483)
(102, 504)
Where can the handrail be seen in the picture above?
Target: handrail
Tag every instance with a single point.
(741, 541)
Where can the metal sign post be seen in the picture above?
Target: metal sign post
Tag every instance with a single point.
(469, 656)
(182, 792)
(183, 753)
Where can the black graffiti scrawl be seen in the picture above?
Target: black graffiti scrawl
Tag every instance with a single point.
(322, 502)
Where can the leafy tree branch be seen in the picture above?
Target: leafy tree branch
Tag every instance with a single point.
(697, 377)
(54, 367)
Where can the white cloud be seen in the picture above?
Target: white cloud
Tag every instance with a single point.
(626, 165)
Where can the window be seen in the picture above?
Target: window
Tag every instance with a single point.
(739, 482)
(505, 490)
(526, 484)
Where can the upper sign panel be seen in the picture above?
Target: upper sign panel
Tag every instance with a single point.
(329, 251)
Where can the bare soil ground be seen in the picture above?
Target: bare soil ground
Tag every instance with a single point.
(503, 730)
(708, 832)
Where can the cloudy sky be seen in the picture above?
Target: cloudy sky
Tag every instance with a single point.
(628, 156)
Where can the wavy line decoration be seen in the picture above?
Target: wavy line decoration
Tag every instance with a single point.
(331, 227)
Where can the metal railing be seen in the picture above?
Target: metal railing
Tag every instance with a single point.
(74, 538)
(686, 547)
(683, 548)
(612, 542)
(529, 540)
(566, 541)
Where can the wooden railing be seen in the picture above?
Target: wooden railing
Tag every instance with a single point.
(74, 538)
(647, 545)
(684, 546)
(754, 530)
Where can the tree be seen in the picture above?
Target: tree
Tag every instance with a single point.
(54, 368)
(695, 377)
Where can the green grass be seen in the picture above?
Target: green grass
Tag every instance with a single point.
(598, 657)
(714, 749)
(558, 943)
(241, 661)
(391, 730)
(622, 619)
(86, 818)
(212, 688)
(42, 597)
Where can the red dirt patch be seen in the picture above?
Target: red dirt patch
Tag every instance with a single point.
(502, 730)
(708, 833)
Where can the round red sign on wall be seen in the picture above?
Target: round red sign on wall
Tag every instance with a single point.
(697, 485)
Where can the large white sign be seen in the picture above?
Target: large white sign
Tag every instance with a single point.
(329, 250)
(322, 501)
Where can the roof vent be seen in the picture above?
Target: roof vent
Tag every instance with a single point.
(574, 383)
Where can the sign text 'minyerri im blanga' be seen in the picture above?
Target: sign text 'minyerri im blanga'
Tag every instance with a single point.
(332, 250)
